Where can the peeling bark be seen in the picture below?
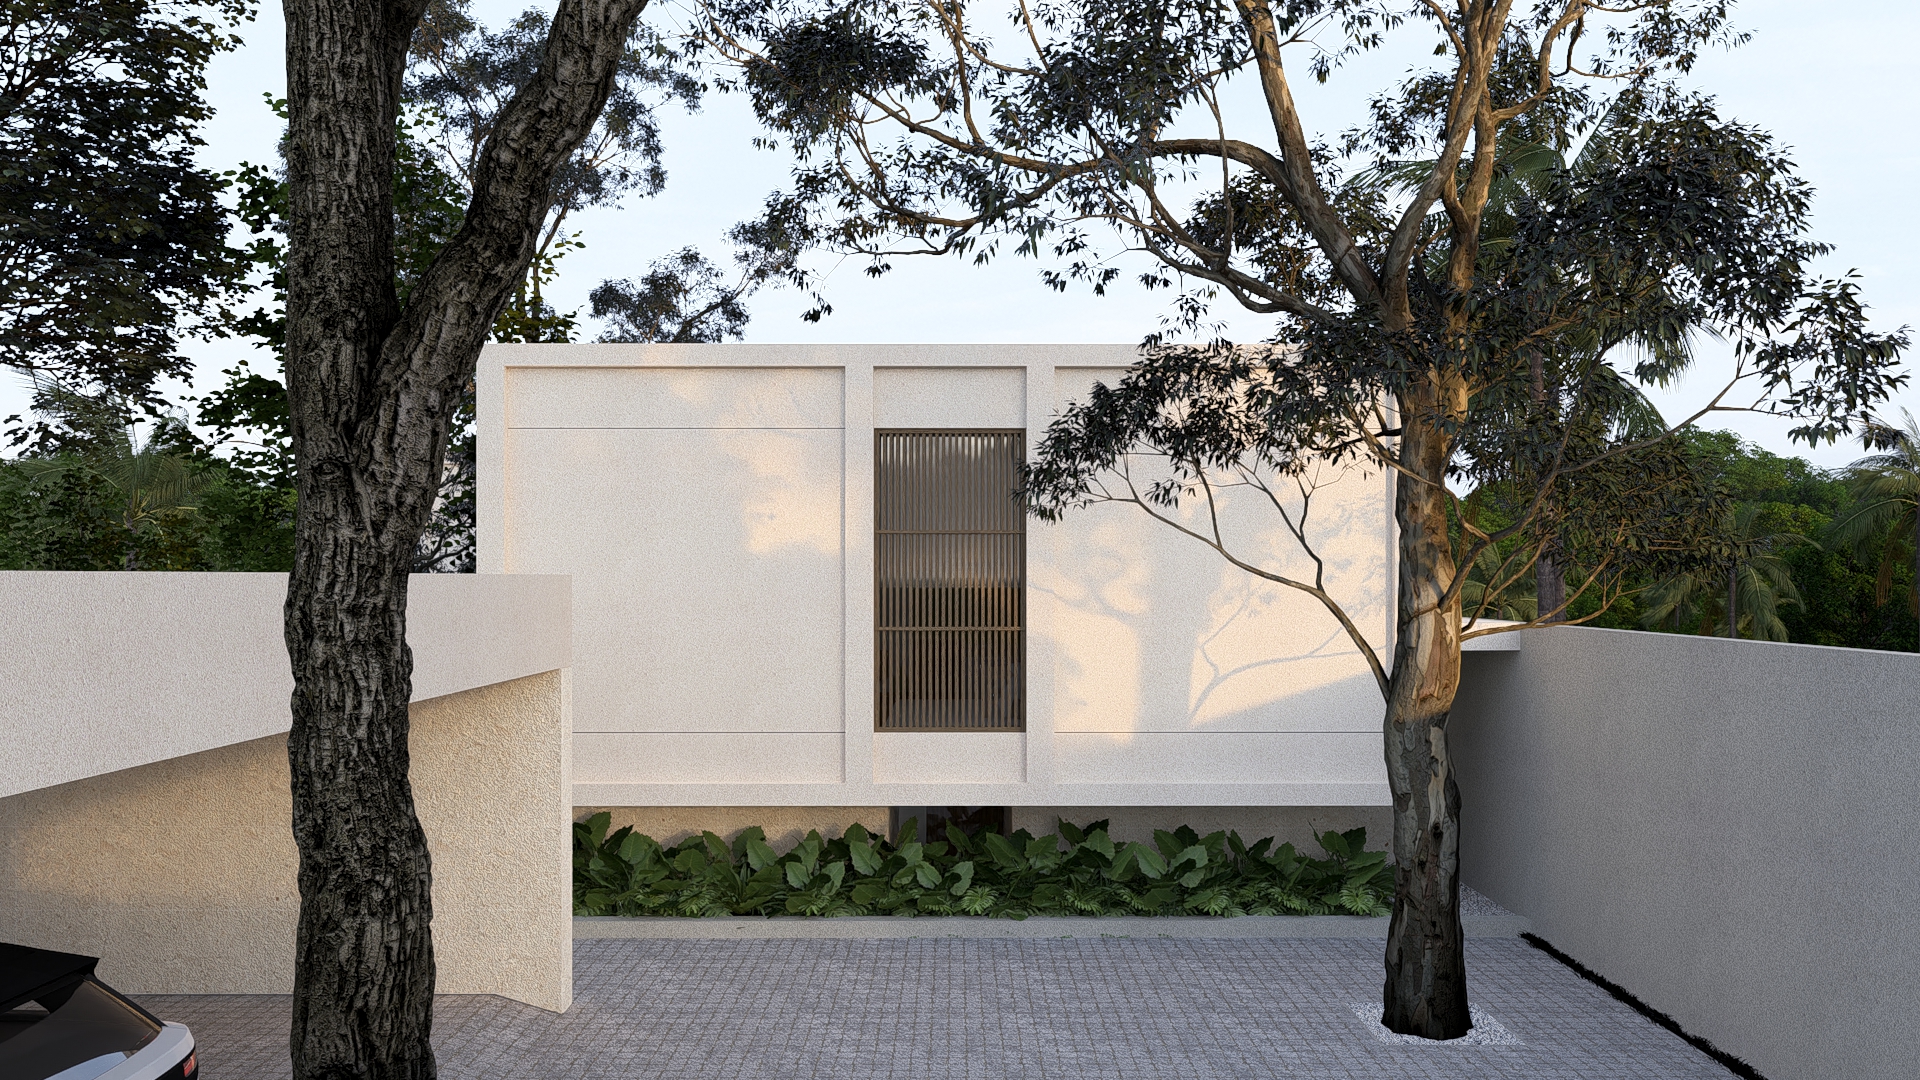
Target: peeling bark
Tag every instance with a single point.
(1426, 985)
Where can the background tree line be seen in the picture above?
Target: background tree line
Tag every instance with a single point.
(1820, 557)
(101, 288)
(112, 475)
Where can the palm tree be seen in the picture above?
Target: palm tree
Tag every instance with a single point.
(1884, 521)
(155, 487)
(1572, 388)
(1744, 597)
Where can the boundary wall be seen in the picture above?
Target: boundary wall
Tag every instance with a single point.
(1728, 829)
(146, 808)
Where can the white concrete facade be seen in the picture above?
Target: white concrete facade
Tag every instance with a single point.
(713, 505)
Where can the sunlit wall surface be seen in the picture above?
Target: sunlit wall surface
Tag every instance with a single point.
(714, 505)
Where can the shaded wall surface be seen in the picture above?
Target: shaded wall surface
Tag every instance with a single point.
(1728, 829)
(181, 874)
(144, 804)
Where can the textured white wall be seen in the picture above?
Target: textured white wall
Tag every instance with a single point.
(1725, 828)
(181, 875)
(713, 505)
(107, 671)
(144, 812)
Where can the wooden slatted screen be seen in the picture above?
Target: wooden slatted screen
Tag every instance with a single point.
(950, 577)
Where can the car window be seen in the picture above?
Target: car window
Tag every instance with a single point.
(78, 1039)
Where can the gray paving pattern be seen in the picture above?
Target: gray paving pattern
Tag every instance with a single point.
(961, 1009)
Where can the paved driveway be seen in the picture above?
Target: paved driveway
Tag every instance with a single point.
(933, 1009)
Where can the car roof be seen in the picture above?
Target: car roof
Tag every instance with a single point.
(26, 971)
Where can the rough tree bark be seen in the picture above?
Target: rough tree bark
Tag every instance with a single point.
(1426, 985)
(372, 386)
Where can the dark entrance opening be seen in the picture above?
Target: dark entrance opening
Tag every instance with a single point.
(930, 822)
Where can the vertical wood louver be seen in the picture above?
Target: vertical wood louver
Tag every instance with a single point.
(950, 570)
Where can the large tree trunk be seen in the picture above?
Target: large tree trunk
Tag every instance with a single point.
(1426, 988)
(372, 388)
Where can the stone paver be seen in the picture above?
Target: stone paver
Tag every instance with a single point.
(934, 1009)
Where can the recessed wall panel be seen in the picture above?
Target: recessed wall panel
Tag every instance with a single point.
(1219, 758)
(706, 572)
(737, 397)
(951, 397)
(706, 758)
(949, 757)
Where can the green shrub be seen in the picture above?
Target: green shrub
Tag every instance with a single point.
(1077, 871)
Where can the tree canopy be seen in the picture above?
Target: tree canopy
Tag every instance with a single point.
(112, 239)
(1424, 326)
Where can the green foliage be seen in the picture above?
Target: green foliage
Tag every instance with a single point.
(1804, 511)
(73, 519)
(1883, 524)
(113, 497)
(112, 238)
(1077, 871)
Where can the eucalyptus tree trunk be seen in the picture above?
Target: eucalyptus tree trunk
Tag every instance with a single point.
(372, 387)
(1426, 987)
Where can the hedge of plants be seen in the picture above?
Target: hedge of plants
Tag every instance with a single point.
(1079, 870)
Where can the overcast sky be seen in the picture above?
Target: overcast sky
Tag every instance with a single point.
(1835, 82)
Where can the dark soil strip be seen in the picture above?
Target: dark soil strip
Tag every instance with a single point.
(1734, 1065)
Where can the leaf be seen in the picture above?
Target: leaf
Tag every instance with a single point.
(1334, 844)
(1097, 840)
(866, 861)
(747, 836)
(796, 876)
(1067, 829)
(857, 834)
(1150, 861)
(1003, 852)
(958, 838)
(1168, 843)
(963, 872)
(1157, 898)
(927, 876)
(759, 855)
(1195, 854)
(597, 828)
(634, 849)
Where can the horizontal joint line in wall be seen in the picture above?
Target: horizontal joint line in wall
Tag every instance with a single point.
(705, 731)
(674, 427)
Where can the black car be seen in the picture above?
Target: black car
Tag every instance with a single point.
(58, 1022)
